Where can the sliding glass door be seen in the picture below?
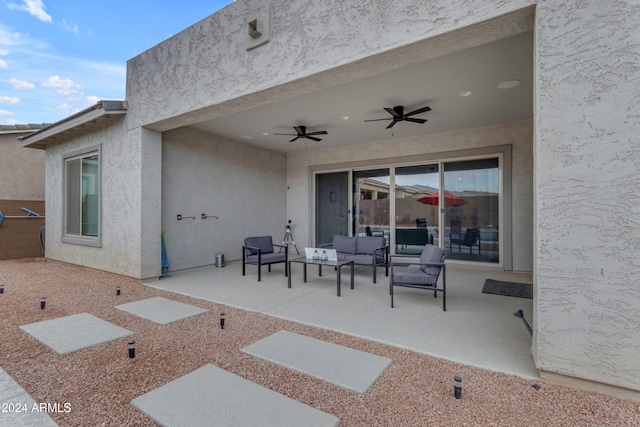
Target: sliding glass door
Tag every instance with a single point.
(371, 194)
(416, 210)
(472, 210)
(452, 204)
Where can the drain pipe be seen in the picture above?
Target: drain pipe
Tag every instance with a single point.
(520, 314)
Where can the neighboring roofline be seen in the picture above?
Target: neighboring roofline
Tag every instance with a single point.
(22, 128)
(102, 109)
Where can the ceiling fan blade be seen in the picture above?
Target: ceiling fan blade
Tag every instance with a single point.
(320, 132)
(411, 119)
(376, 120)
(286, 134)
(392, 112)
(418, 111)
(392, 124)
(300, 129)
(294, 139)
(313, 138)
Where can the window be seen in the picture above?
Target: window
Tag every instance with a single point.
(82, 211)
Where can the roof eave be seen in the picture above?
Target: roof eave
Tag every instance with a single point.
(100, 110)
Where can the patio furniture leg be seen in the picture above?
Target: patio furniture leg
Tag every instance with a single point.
(352, 265)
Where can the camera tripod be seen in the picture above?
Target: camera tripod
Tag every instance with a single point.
(288, 238)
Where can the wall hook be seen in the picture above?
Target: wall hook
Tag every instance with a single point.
(204, 216)
(180, 217)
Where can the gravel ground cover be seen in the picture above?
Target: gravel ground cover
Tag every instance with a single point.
(98, 383)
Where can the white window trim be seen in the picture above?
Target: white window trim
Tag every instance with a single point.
(73, 239)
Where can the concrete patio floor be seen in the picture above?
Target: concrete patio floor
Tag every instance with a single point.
(477, 329)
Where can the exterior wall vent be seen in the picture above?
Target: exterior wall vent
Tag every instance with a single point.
(258, 30)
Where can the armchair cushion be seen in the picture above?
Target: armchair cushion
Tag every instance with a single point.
(431, 254)
(344, 244)
(264, 243)
(412, 275)
(269, 258)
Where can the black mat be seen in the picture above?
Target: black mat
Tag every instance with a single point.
(509, 289)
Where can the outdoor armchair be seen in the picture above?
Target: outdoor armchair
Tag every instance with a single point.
(471, 238)
(423, 273)
(260, 251)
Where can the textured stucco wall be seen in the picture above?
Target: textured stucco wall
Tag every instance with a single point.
(21, 169)
(306, 39)
(587, 158)
(242, 185)
(518, 134)
(121, 230)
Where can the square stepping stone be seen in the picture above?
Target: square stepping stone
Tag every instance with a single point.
(161, 310)
(19, 408)
(71, 333)
(212, 396)
(345, 367)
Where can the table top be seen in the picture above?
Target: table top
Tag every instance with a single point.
(303, 260)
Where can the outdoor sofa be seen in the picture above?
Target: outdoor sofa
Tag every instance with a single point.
(362, 250)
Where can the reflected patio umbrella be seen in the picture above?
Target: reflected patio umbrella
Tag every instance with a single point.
(450, 200)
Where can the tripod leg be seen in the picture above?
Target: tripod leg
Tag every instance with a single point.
(294, 243)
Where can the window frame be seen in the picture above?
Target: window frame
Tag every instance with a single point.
(79, 239)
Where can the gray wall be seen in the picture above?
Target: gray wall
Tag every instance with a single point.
(242, 185)
(121, 203)
(21, 169)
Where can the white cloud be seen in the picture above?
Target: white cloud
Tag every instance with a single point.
(21, 84)
(67, 109)
(63, 86)
(70, 26)
(3, 65)
(6, 113)
(91, 100)
(9, 100)
(34, 7)
(4, 52)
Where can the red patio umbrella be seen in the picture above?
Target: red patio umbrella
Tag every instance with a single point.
(450, 200)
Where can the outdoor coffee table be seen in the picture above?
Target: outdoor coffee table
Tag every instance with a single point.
(336, 264)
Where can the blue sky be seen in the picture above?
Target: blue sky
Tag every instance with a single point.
(58, 57)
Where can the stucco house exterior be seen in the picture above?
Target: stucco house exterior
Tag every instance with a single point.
(558, 152)
(22, 180)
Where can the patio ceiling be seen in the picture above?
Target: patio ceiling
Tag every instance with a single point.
(437, 82)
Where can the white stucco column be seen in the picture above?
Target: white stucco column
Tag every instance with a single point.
(150, 202)
(586, 184)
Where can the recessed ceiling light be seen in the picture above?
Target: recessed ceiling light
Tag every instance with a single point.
(465, 93)
(508, 84)
(344, 117)
(265, 133)
(247, 137)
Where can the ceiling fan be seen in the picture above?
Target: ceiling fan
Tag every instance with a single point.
(302, 133)
(398, 115)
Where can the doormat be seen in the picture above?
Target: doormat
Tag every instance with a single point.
(509, 289)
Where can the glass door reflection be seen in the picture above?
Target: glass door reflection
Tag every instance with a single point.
(416, 210)
(371, 203)
(471, 210)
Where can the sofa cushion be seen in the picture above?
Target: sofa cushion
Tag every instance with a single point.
(344, 244)
(433, 254)
(366, 245)
(265, 243)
